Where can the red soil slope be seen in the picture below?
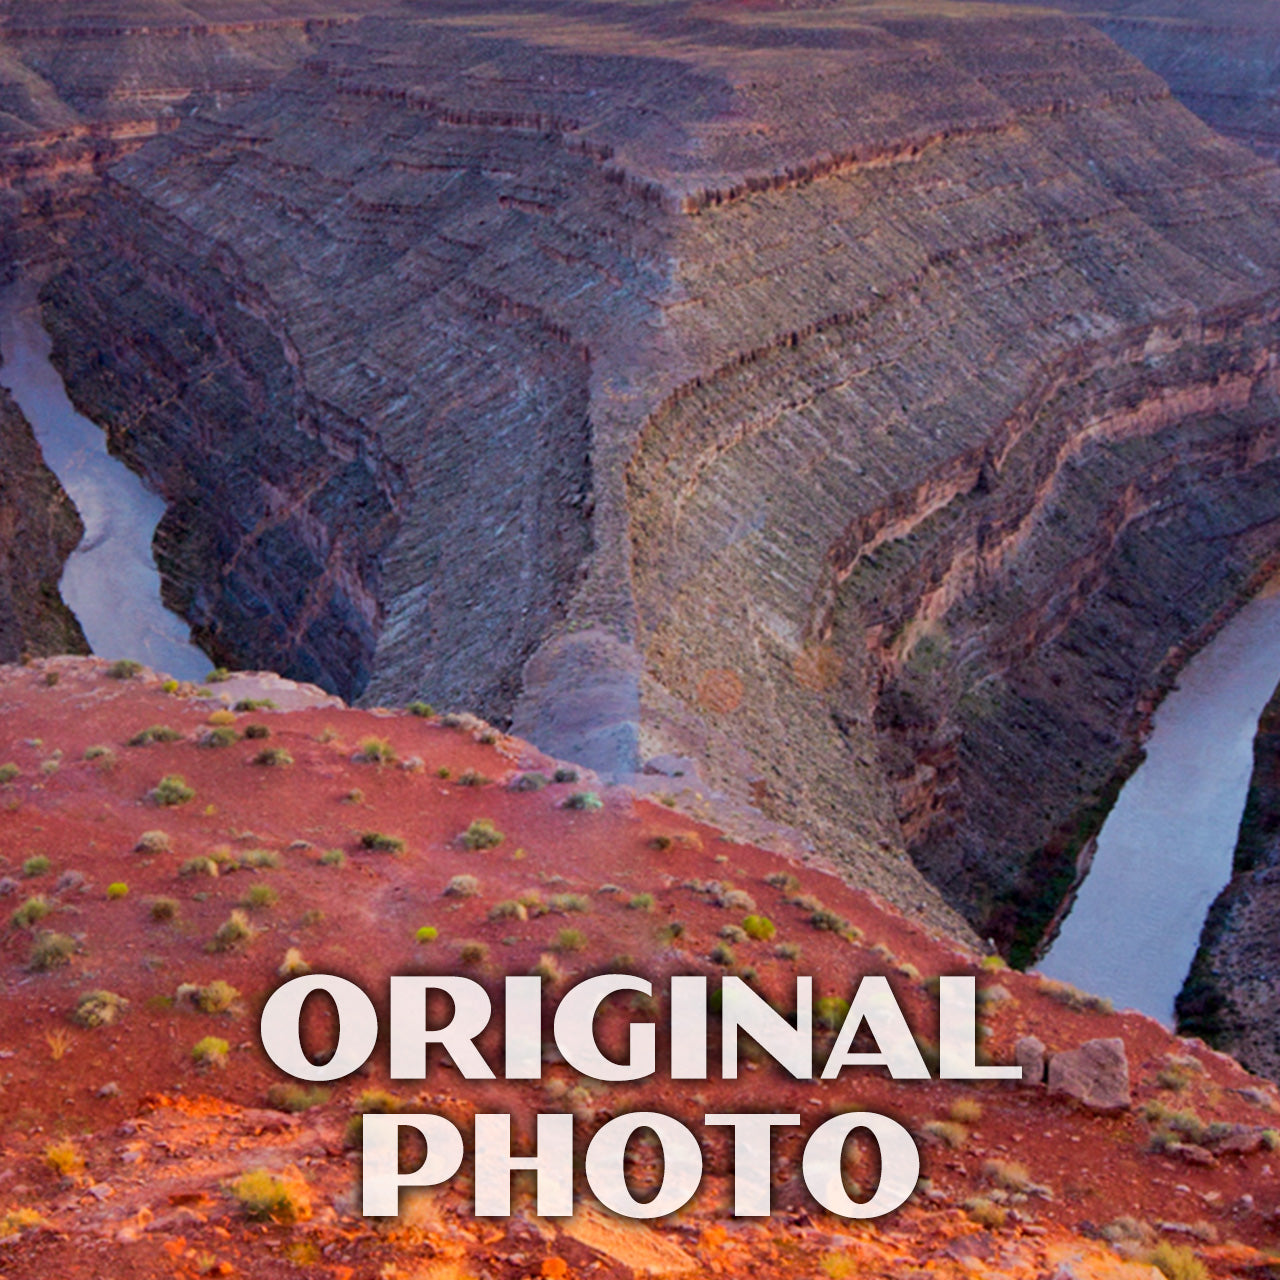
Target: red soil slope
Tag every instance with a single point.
(156, 1139)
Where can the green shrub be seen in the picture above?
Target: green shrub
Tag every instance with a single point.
(830, 1012)
(36, 866)
(570, 940)
(254, 704)
(641, 902)
(375, 751)
(32, 911)
(221, 736)
(481, 834)
(51, 951)
(210, 1051)
(1177, 1261)
(584, 800)
(163, 909)
(529, 782)
(473, 953)
(171, 790)
(256, 732)
(273, 757)
(233, 932)
(154, 733)
(333, 858)
(722, 954)
(295, 1098)
(260, 896)
(426, 933)
(424, 710)
(217, 996)
(259, 859)
(103, 757)
(759, 928)
(217, 676)
(117, 889)
(381, 843)
(473, 778)
(124, 669)
(98, 1009)
(564, 774)
(8, 772)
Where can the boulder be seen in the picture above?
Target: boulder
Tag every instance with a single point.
(1028, 1053)
(1097, 1074)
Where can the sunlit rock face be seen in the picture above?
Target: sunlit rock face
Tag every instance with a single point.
(866, 406)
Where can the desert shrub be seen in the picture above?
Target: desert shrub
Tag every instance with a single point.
(830, 1012)
(965, 1111)
(171, 790)
(473, 778)
(529, 782)
(565, 774)
(783, 880)
(947, 1132)
(222, 736)
(1008, 1175)
(732, 933)
(124, 669)
(210, 1051)
(51, 950)
(8, 772)
(102, 756)
(154, 733)
(273, 758)
(296, 1097)
(333, 858)
(256, 859)
(641, 902)
(986, 1213)
(222, 717)
(13, 1222)
(584, 800)
(164, 909)
(32, 911)
(380, 842)
(426, 933)
(256, 732)
(481, 834)
(254, 704)
(1177, 1261)
(233, 932)
(259, 896)
(722, 954)
(759, 928)
(36, 866)
(570, 940)
(64, 1158)
(281, 1197)
(198, 866)
(787, 951)
(422, 709)
(117, 889)
(217, 996)
(508, 909)
(472, 952)
(1073, 998)
(462, 887)
(547, 967)
(98, 1009)
(736, 900)
(153, 842)
(374, 751)
(293, 964)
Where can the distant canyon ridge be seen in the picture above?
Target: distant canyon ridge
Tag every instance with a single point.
(859, 409)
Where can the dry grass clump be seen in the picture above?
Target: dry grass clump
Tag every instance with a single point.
(282, 1197)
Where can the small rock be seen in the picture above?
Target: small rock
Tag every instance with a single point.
(1028, 1053)
(109, 1090)
(1096, 1074)
(101, 1191)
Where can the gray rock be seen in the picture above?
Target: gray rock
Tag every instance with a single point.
(1028, 1053)
(1097, 1074)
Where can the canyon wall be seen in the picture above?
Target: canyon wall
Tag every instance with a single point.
(1232, 995)
(871, 407)
(39, 528)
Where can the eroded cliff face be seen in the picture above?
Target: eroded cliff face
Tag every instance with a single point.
(1232, 995)
(39, 528)
(870, 407)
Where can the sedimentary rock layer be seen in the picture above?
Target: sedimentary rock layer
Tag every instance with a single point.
(869, 405)
(39, 528)
(1232, 995)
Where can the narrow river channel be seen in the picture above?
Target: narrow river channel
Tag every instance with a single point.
(110, 581)
(1165, 849)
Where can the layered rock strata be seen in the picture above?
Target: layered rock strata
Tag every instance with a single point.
(874, 407)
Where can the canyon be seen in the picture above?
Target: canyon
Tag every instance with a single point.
(870, 406)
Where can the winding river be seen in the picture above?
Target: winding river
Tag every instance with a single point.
(110, 581)
(1165, 849)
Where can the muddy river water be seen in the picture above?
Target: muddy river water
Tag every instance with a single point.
(110, 581)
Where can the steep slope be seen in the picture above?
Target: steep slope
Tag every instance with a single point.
(38, 530)
(871, 406)
(125, 1145)
(1232, 997)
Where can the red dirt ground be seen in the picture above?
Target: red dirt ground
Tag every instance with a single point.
(162, 1137)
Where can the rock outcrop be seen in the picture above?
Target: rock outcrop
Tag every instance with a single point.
(39, 528)
(1232, 995)
(1096, 1074)
(874, 408)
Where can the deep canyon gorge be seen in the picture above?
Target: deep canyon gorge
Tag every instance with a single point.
(873, 404)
